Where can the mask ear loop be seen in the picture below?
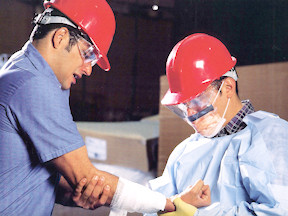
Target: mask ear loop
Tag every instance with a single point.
(226, 108)
(218, 92)
(227, 102)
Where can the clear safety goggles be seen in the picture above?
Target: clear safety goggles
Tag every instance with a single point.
(197, 107)
(88, 51)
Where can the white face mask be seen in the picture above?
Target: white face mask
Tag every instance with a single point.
(215, 125)
(211, 123)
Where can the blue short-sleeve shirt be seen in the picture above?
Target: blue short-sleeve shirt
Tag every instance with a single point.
(36, 126)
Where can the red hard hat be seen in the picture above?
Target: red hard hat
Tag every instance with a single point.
(193, 64)
(95, 18)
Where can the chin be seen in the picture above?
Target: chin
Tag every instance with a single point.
(64, 87)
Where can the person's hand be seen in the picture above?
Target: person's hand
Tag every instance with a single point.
(198, 195)
(93, 196)
(182, 209)
(187, 201)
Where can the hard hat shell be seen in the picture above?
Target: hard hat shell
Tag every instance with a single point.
(193, 64)
(93, 17)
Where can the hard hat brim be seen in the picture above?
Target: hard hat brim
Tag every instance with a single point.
(171, 98)
(103, 63)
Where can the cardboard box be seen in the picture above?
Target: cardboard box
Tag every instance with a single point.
(264, 84)
(266, 87)
(129, 144)
(172, 130)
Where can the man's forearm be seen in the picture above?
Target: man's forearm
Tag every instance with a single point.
(76, 165)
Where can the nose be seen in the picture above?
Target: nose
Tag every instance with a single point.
(87, 68)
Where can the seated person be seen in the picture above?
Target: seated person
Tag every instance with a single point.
(241, 154)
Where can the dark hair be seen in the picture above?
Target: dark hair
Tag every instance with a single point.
(217, 83)
(40, 31)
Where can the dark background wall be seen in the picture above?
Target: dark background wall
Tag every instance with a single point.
(255, 32)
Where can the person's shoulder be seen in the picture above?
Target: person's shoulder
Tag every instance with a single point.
(16, 71)
(263, 116)
(266, 122)
(12, 79)
(22, 86)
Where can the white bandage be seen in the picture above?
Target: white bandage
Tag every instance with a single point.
(134, 197)
(117, 212)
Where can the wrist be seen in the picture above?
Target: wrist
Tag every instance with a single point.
(182, 209)
(169, 207)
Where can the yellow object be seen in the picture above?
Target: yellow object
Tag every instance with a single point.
(182, 209)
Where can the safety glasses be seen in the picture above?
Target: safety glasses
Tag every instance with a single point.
(197, 107)
(89, 52)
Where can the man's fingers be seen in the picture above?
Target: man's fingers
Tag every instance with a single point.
(104, 196)
(80, 186)
(198, 186)
(78, 190)
(97, 190)
(205, 187)
(94, 195)
(205, 190)
(89, 189)
(206, 194)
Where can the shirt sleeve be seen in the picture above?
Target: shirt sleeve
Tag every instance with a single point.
(42, 115)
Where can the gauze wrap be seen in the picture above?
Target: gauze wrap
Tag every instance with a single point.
(133, 197)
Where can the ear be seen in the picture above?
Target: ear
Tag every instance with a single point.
(229, 87)
(60, 37)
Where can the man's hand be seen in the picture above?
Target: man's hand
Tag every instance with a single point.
(198, 195)
(91, 196)
(187, 201)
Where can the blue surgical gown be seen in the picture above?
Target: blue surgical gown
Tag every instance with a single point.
(246, 171)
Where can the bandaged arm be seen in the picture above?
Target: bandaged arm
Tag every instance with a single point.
(129, 196)
(133, 197)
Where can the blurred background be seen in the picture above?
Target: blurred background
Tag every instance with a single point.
(255, 32)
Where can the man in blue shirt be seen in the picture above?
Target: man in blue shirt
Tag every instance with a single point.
(41, 150)
(38, 135)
